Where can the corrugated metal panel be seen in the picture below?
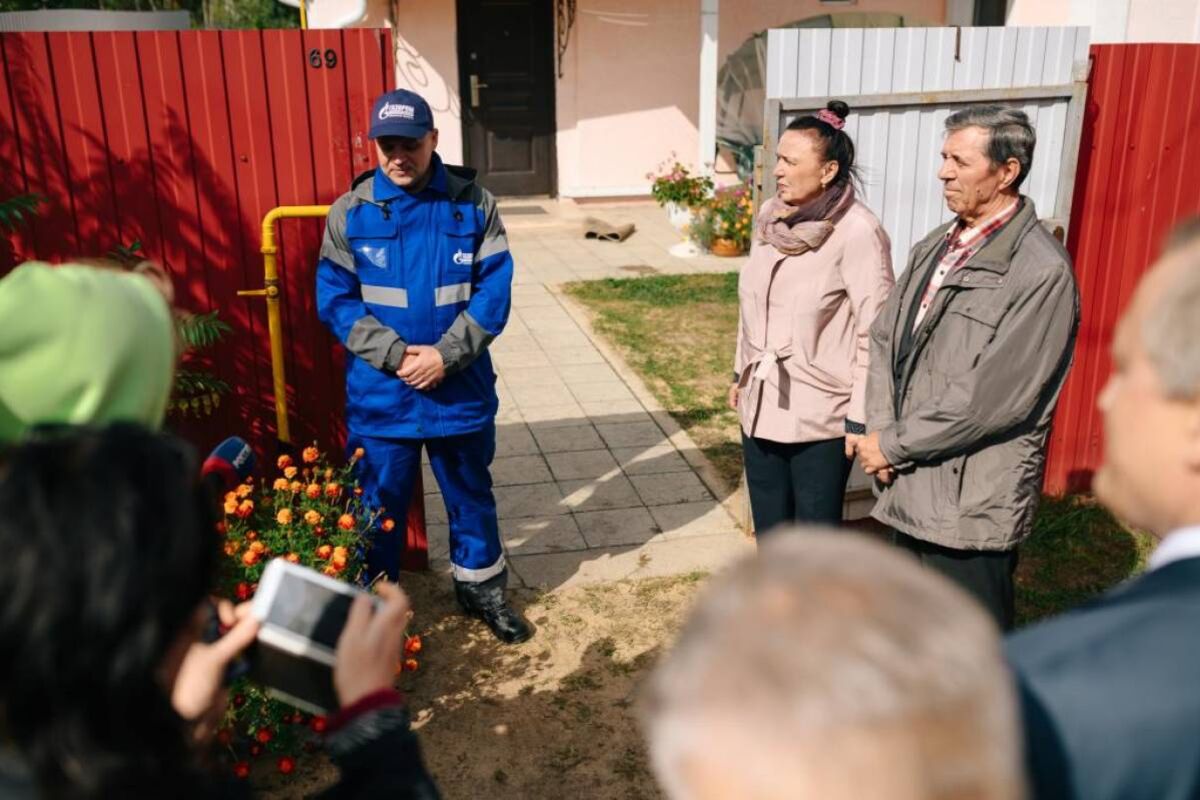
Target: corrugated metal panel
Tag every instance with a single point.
(898, 146)
(1137, 178)
(184, 140)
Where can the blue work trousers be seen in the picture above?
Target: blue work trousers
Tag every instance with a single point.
(388, 471)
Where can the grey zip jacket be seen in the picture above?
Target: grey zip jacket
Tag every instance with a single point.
(965, 419)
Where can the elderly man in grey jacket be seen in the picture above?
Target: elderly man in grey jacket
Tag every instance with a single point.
(967, 360)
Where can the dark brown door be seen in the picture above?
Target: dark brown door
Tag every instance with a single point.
(506, 66)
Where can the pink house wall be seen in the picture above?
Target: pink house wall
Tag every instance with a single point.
(629, 96)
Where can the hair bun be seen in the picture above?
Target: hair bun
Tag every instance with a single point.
(838, 107)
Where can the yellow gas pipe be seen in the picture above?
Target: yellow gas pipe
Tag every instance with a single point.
(270, 291)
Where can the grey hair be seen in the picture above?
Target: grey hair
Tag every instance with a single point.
(1171, 331)
(1009, 134)
(818, 653)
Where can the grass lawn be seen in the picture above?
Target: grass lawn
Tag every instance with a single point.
(678, 332)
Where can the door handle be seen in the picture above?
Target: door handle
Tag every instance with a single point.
(476, 85)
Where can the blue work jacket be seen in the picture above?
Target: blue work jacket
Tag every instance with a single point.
(429, 268)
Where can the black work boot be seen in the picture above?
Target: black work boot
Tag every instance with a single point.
(486, 601)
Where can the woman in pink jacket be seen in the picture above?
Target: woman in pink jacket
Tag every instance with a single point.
(819, 270)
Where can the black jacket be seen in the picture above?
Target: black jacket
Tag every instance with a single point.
(378, 756)
(1111, 692)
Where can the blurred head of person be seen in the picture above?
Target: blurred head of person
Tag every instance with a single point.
(834, 667)
(109, 549)
(85, 342)
(1150, 475)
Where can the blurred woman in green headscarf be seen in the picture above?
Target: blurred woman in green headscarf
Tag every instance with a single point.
(82, 344)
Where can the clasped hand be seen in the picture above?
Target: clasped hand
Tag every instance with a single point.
(873, 461)
(422, 367)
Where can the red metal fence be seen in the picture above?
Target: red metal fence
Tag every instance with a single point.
(1136, 179)
(183, 141)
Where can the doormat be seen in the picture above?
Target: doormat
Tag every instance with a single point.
(509, 211)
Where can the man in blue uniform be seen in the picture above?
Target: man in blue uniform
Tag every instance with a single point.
(415, 280)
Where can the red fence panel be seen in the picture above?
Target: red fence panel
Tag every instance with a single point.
(1135, 180)
(184, 140)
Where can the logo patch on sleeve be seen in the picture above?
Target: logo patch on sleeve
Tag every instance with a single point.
(377, 256)
(463, 258)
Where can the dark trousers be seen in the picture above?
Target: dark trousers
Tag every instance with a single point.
(802, 482)
(986, 574)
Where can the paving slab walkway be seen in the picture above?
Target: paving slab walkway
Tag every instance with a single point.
(593, 479)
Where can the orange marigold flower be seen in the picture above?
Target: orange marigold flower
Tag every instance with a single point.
(296, 486)
(346, 522)
(281, 484)
(358, 453)
(313, 491)
(231, 496)
(411, 664)
(330, 571)
(250, 558)
(312, 517)
(231, 548)
(258, 547)
(251, 535)
(245, 509)
(332, 490)
(388, 525)
(324, 551)
(284, 517)
(338, 564)
(292, 557)
(329, 473)
(231, 506)
(412, 645)
(358, 491)
(284, 462)
(244, 490)
(290, 473)
(310, 455)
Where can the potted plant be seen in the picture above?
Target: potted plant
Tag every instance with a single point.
(677, 190)
(724, 225)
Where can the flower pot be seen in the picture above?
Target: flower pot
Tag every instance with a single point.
(679, 216)
(725, 247)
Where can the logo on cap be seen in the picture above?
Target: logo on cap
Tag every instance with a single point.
(398, 110)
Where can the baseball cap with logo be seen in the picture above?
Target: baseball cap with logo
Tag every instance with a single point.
(401, 113)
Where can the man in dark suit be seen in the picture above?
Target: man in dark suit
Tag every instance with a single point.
(1111, 691)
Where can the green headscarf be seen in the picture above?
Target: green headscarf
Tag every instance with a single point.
(82, 345)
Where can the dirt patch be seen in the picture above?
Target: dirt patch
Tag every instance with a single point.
(551, 718)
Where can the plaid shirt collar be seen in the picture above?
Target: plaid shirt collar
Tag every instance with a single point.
(960, 237)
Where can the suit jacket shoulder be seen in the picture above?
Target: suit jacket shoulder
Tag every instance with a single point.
(1108, 692)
